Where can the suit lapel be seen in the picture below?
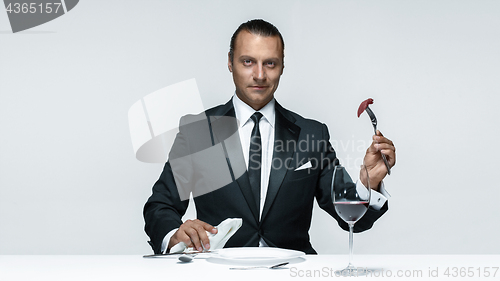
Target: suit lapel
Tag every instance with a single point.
(285, 132)
(224, 128)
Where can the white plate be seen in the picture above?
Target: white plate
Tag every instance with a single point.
(256, 255)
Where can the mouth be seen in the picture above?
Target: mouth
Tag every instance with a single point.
(258, 87)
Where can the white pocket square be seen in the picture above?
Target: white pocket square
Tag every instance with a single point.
(305, 166)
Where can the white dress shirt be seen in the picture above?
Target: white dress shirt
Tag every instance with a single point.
(266, 125)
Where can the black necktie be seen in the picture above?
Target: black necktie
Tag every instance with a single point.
(255, 158)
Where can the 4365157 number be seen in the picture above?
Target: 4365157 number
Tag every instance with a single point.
(32, 8)
(471, 271)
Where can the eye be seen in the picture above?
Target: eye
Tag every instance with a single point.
(247, 62)
(270, 64)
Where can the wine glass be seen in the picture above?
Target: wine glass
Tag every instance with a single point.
(351, 201)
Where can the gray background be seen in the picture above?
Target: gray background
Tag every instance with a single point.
(69, 181)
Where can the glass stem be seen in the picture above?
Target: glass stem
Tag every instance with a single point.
(351, 225)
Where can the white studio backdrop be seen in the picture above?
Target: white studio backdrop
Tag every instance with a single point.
(69, 181)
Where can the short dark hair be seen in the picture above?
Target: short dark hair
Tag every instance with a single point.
(257, 27)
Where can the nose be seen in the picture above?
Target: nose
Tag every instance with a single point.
(259, 73)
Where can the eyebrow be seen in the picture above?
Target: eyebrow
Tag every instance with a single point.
(245, 57)
(252, 58)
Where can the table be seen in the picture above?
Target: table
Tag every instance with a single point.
(131, 267)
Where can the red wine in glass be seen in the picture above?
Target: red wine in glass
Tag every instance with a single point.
(351, 211)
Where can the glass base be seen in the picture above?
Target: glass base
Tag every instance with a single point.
(351, 271)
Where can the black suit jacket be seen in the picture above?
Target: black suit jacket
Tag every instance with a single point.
(287, 212)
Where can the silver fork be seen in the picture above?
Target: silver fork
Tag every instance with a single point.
(374, 123)
(256, 267)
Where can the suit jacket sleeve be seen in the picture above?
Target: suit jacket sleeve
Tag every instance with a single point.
(323, 190)
(164, 209)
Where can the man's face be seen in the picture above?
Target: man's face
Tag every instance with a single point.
(257, 67)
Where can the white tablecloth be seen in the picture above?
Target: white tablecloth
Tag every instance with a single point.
(421, 267)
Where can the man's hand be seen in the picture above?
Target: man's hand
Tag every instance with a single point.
(192, 233)
(373, 159)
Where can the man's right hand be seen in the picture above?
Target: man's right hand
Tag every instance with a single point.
(193, 234)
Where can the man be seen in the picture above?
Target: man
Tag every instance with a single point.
(287, 161)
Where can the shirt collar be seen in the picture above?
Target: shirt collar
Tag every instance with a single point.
(243, 111)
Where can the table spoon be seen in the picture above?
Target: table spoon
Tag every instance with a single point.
(187, 257)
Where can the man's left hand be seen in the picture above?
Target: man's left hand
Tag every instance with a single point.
(373, 159)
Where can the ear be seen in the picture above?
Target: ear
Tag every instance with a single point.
(229, 64)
